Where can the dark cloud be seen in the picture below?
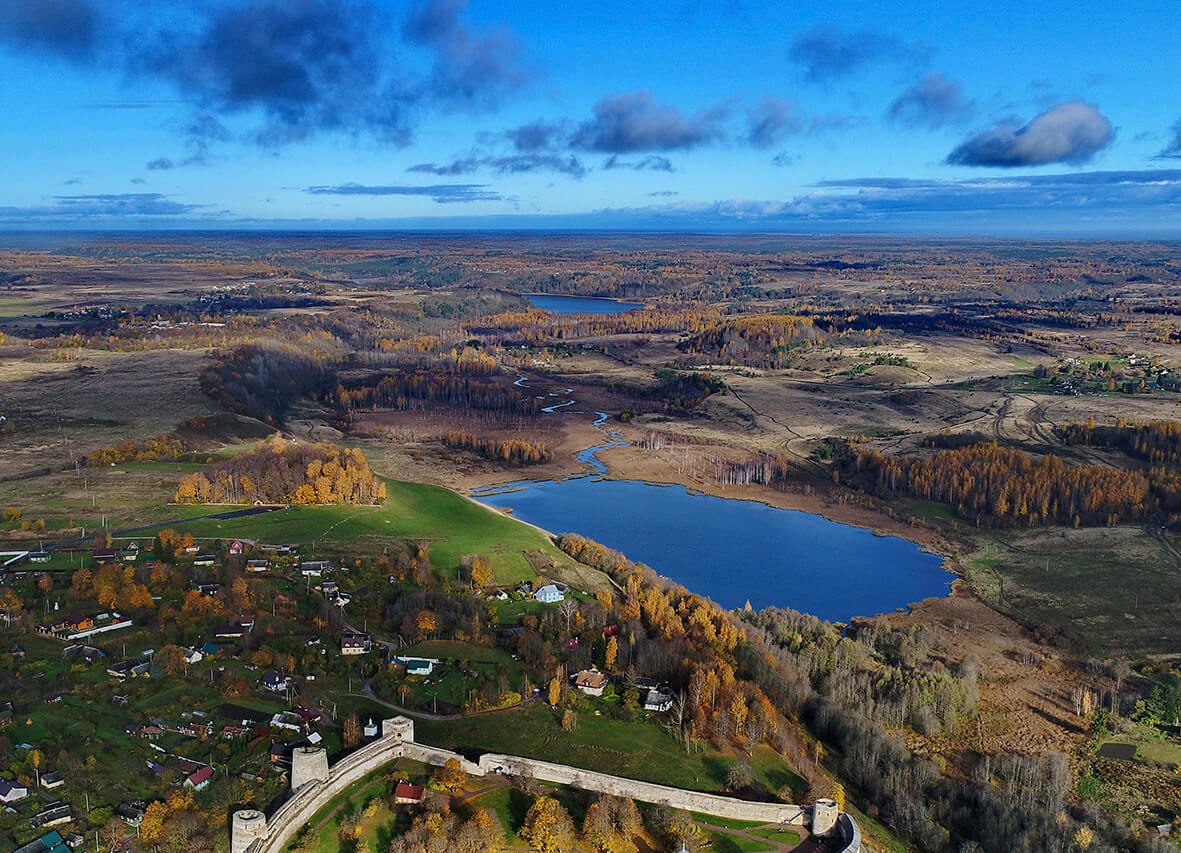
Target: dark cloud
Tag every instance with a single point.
(770, 122)
(1173, 149)
(72, 181)
(288, 69)
(440, 193)
(116, 206)
(1072, 132)
(306, 66)
(932, 102)
(138, 181)
(536, 136)
(664, 194)
(511, 164)
(475, 69)
(633, 121)
(827, 52)
(161, 164)
(68, 28)
(783, 159)
(650, 163)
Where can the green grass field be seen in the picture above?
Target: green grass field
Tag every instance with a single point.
(638, 750)
(1115, 589)
(454, 526)
(136, 494)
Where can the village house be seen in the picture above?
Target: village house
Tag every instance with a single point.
(657, 701)
(104, 555)
(256, 566)
(199, 780)
(53, 814)
(276, 682)
(204, 560)
(549, 594)
(50, 842)
(53, 779)
(416, 666)
(406, 794)
(236, 547)
(10, 792)
(591, 682)
(355, 643)
(131, 814)
(315, 568)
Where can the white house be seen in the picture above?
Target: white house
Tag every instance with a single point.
(657, 701)
(549, 594)
(10, 792)
(276, 682)
(417, 666)
(591, 682)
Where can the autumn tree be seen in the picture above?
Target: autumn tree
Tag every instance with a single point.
(426, 624)
(547, 827)
(171, 659)
(451, 776)
(481, 569)
(151, 829)
(352, 732)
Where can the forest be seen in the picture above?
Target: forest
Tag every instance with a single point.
(515, 451)
(1155, 442)
(282, 472)
(994, 486)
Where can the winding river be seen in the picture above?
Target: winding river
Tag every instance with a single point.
(731, 550)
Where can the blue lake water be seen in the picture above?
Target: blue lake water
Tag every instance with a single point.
(733, 550)
(579, 304)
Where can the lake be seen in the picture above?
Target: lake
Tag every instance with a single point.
(579, 304)
(733, 550)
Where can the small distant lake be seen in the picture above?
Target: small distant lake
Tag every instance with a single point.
(579, 304)
(732, 550)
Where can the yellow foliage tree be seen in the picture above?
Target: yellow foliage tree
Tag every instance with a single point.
(548, 828)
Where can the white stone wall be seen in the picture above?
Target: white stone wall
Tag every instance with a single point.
(305, 802)
(647, 792)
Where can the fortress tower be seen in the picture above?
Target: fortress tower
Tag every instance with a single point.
(824, 816)
(399, 727)
(247, 826)
(308, 764)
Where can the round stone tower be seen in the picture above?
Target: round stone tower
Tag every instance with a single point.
(824, 816)
(308, 764)
(248, 826)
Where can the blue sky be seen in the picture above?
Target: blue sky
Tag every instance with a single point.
(924, 117)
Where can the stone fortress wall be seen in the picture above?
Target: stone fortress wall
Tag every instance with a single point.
(252, 832)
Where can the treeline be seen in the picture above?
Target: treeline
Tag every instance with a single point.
(465, 380)
(998, 486)
(166, 446)
(683, 391)
(759, 340)
(535, 327)
(189, 435)
(516, 451)
(280, 472)
(1155, 442)
(263, 380)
